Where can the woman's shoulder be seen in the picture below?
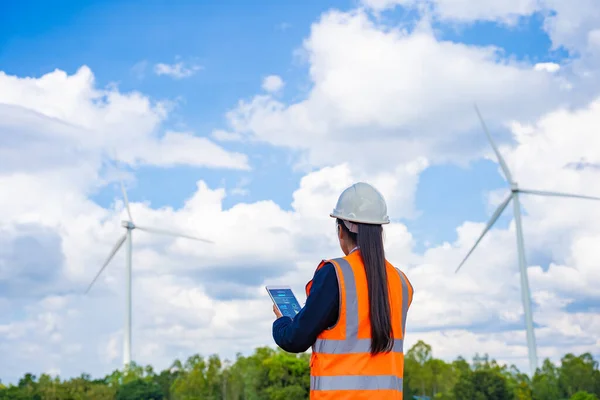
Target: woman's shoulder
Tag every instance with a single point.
(326, 280)
(326, 272)
(327, 267)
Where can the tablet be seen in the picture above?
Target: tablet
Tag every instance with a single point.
(284, 299)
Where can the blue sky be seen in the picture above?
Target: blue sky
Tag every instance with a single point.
(236, 50)
(112, 37)
(237, 44)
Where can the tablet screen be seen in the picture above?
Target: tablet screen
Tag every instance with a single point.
(285, 301)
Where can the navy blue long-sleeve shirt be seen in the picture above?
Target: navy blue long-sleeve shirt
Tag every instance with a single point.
(320, 312)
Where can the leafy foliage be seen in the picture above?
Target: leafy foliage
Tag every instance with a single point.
(276, 375)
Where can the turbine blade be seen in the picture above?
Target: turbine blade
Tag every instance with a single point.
(489, 225)
(557, 194)
(171, 233)
(114, 250)
(501, 161)
(126, 199)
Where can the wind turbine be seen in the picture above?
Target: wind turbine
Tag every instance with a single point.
(515, 191)
(126, 238)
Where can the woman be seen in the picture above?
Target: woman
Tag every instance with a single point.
(355, 312)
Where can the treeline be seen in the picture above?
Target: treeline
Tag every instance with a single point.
(275, 375)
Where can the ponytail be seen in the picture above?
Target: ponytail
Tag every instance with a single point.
(370, 242)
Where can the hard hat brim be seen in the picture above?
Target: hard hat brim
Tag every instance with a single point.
(360, 221)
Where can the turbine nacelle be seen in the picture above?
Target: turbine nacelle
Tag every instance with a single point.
(127, 225)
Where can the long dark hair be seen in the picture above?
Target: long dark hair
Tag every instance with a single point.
(370, 242)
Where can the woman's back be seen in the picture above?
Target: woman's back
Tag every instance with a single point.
(342, 366)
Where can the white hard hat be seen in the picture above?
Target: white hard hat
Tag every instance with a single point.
(361, 203)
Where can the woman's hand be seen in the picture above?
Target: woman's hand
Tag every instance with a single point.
(276, 311)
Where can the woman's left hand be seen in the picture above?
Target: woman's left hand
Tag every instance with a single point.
(276, 311)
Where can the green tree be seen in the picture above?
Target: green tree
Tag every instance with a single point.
(28, 385)
(51, 388)
(288, 377)
(577, 374)
(581, 395)
(407, 385)
(415, 360)
(440, 376)
(482, 384)
(214, 387)
(13, 393)
(165, 380)
(519, 384)
(460, 366)
(191, 383)
(270, 374)
(545, 384)
(100, 392)
(253, 374)
(139, 389)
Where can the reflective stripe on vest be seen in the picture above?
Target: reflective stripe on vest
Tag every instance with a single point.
(355, 349)
(356, 382)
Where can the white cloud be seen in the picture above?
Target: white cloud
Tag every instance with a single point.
(272, 83)
(395, 95)
(284, 26)
(139, 69)
(594, 39)
(61, 120)
(547, 66)
(182, 290)
(571, 23)
(464, 10)
(568, 24)
(379, 5)
(240, 188)
(224, 136)
(177, 70)
(185, 148)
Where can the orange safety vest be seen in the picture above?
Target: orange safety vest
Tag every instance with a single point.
(341, 365)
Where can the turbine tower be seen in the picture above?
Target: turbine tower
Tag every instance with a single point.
(126, 238)
(515, 191)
